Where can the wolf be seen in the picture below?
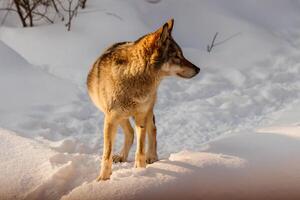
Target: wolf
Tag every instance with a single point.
(123, 83)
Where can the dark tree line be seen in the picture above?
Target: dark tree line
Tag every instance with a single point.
(32, 11)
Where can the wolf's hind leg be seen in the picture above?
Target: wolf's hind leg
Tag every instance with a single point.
(110, 129)
(151, 155)
(128, 140)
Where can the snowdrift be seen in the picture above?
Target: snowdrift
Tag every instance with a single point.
(52, 137)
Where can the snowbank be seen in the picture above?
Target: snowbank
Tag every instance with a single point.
(254, 73)
(242, 166)
(28, 94)
(244, 85)
(24, 165)
(246, 165)
(31, 170)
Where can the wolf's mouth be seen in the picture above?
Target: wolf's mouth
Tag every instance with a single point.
(186, 77)
(181, 76)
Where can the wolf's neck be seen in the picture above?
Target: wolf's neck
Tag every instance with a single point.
(139, 62)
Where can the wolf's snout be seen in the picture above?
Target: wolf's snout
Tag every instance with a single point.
(188, 70)
(197, 69)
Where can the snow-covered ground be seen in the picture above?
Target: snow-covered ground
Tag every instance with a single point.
(215, 132)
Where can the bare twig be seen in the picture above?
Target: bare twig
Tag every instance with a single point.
(82, 4)
(9, 6)
(28, 10)
(20, 13)
(43, 16)
(214, 43)
(114, 15)
(8, 9)
(211, 46)
(31, 11)
(227, 39)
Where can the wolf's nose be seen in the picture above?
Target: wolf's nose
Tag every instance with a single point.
(197, 70)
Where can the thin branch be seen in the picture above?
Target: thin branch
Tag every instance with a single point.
(30, 11)
(10, 4)
(43, 16)
(211, 46)
(227, 39)
(114, 15)
(8, 9)
(214, 43)
(20, 12)
(82, 4)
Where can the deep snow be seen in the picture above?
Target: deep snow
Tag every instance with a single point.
(244, 84)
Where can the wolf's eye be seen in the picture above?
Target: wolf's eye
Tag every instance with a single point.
(177, 57)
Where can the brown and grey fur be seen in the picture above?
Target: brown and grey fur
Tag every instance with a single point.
(123, 83)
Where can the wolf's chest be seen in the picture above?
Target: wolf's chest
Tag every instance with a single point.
(144, 103)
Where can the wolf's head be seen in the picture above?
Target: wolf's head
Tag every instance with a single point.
(167, 56)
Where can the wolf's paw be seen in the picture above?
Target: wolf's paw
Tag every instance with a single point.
(140, 161)
(118, 158)
(102, 178)
(105, 172)
(140, 164)
(151, 159)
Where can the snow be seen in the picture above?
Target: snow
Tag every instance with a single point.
(232, 131)
(285, 122)
(243, 166)
(24, 165)
(28, 93)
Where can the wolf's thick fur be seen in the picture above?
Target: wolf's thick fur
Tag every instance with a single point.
(123, 83)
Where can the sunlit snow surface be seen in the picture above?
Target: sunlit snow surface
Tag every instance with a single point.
(243, 82)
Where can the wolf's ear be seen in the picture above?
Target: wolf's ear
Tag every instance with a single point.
(161, 35)
(164, 33)
(166, 30)
(170, 25)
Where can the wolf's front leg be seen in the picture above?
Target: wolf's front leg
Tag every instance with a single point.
(110, 128)
(151, 155)
(140, 124)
